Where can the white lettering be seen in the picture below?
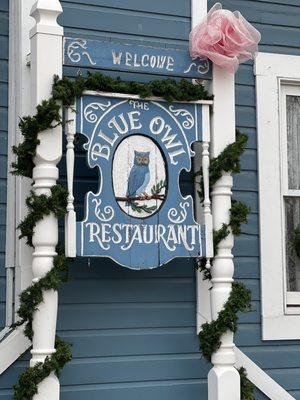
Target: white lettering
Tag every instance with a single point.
(121, 129)
(116, 57)
(94, 231)
(194, 229)
(100, 151)
(108, 139)
(161, 61)
(148, 238)
(157, 125)
(169, 138)
(116, 231)
(125, 235)
(144, 62)
(170, 63)
(135, 62)
(128, 59)
(140, 105)
(134, 122)
(105, 233)
(172, 235)
(152, 61)
(175, 154)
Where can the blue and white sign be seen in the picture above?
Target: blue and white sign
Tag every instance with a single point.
(139, 217)
(125, 57)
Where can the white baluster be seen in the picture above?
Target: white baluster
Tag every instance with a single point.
(205, 174)
(46, 61)
(70, 220)
(204, 217)
(223, 378)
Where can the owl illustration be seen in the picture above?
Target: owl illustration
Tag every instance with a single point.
(139, 175)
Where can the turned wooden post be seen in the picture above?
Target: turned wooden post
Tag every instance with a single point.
(46, 61)
(223, 378)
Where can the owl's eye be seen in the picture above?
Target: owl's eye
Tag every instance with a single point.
(145, 160)
(139, 159)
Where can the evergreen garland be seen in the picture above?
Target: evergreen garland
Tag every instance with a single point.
(46, 113)
(211, 333)
(27, 385)
(31, 297)
(64, 92)
(247, 387)
(240, 297)
(171, 90)
(229, 159)
(42, 205)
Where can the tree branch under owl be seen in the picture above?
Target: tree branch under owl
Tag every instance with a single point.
(141, 197)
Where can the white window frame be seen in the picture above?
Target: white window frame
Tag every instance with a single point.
(18, 256)
(272, 71)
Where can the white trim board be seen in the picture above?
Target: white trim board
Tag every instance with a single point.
(260, 379)
(271, 70)
(138, 97)
(18, 258)
(14, 345)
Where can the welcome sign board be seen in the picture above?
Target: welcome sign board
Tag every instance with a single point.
(138, 217)
(89, 53)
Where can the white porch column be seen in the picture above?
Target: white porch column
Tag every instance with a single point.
(46, 60)
(223, 378)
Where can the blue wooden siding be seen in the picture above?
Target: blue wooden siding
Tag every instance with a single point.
(133, 333)
(139, 327)
(3, 146)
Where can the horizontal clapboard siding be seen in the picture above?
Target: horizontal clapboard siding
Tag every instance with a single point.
(3, 146)
(133, 333)
(279, 23)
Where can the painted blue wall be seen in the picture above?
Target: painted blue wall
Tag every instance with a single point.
(139, 340)
(3, 146)
(133, 333)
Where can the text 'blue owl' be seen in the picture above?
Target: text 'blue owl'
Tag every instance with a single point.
(139, 217)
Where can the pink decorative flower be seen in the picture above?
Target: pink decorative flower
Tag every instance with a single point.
(224, 37)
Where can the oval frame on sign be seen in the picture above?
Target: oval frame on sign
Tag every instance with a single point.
(139, 176)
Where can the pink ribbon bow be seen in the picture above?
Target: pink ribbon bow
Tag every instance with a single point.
(225, 37)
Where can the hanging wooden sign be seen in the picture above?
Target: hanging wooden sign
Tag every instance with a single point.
(138, 217)
(88, 53)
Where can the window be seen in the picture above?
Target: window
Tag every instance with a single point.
(278, 123)
(290, 154)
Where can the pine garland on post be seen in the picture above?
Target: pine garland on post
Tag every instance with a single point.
(240, 297)
(28, 382)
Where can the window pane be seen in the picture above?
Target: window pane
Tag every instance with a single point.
(293, 140)
(292, 220)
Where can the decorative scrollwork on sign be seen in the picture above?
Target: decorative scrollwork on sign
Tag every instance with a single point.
(189, 121)
(202, 68)
(178, 216)
(74, 51)
(89, 111)
(106, 215)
